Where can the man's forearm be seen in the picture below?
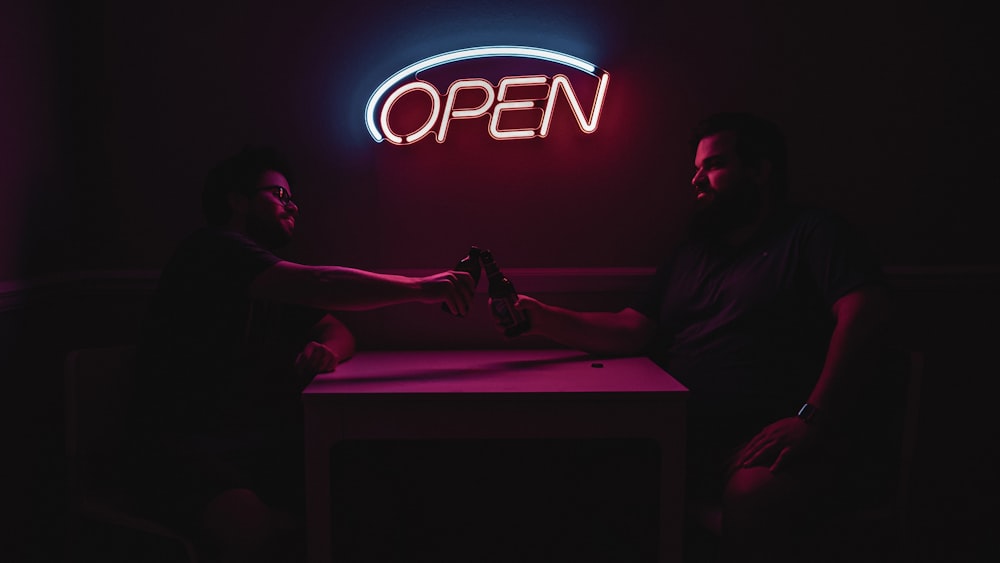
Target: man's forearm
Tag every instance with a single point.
(623, 333)
(340, 288)
(335, 288)
(334, 335)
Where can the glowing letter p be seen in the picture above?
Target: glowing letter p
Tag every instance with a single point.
(468, 113)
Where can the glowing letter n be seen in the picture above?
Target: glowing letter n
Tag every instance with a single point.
(560, 82)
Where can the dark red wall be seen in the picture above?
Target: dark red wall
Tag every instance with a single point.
(118, 109)
(112, 111)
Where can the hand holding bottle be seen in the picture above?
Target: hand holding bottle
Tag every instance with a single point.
(527, 306)
(470, 264)
(454, 289)
(502, 299)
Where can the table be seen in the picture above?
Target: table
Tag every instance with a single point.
(493, 395)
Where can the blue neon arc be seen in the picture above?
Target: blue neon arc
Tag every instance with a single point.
(466, 54)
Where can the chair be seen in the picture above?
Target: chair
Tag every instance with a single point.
(880, 531)
(102, 526)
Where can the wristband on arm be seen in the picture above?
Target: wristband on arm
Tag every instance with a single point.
(808, 413)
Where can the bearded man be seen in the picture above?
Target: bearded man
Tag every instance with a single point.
(771, 315)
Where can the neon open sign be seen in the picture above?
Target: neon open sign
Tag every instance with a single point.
(508, 95)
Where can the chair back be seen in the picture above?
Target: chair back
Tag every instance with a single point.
(99, 408)
(902, 406)
(98, 395)
(892, 445)
(908, 446)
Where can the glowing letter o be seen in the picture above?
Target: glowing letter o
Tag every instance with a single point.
(424, 129)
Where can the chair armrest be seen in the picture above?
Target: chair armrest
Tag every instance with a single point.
(107, 511)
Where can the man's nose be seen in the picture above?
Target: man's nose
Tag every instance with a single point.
(697, 178)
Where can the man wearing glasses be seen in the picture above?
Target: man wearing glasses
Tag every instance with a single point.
(232, 335)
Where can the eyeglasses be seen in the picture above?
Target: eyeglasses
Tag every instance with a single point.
(281, 193)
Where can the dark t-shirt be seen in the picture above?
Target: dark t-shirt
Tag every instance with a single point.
(217, 399)
(746, 329)
(211, 360)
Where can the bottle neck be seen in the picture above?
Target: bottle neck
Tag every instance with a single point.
(491, 267)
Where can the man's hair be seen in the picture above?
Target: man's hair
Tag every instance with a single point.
(238, 173)
(756, 139)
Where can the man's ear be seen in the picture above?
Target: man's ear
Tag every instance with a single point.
(239, 203)
(762, 172)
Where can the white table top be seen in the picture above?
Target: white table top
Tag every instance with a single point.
(448, 372)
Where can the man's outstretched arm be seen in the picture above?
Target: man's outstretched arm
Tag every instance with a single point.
(336, 288)
(622, 333)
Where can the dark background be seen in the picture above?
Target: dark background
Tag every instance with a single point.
(112, 111)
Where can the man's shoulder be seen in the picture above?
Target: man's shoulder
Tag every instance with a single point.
(211, 234)
(215, 248)
(823, 233)
(217, 241)
(803, 220)
(806, 214)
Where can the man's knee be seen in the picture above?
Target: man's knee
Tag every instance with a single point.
(755, 489)
(760, 506)
(237, 522)
(760, 502)
(761, 512)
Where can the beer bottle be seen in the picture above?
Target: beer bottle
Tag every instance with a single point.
(502, 298)
(471, 264)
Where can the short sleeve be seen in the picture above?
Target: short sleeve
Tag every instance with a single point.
(838, 258)
(221, 259)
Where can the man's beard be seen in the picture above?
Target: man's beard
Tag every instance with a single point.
(269, 234)
(729, 210)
